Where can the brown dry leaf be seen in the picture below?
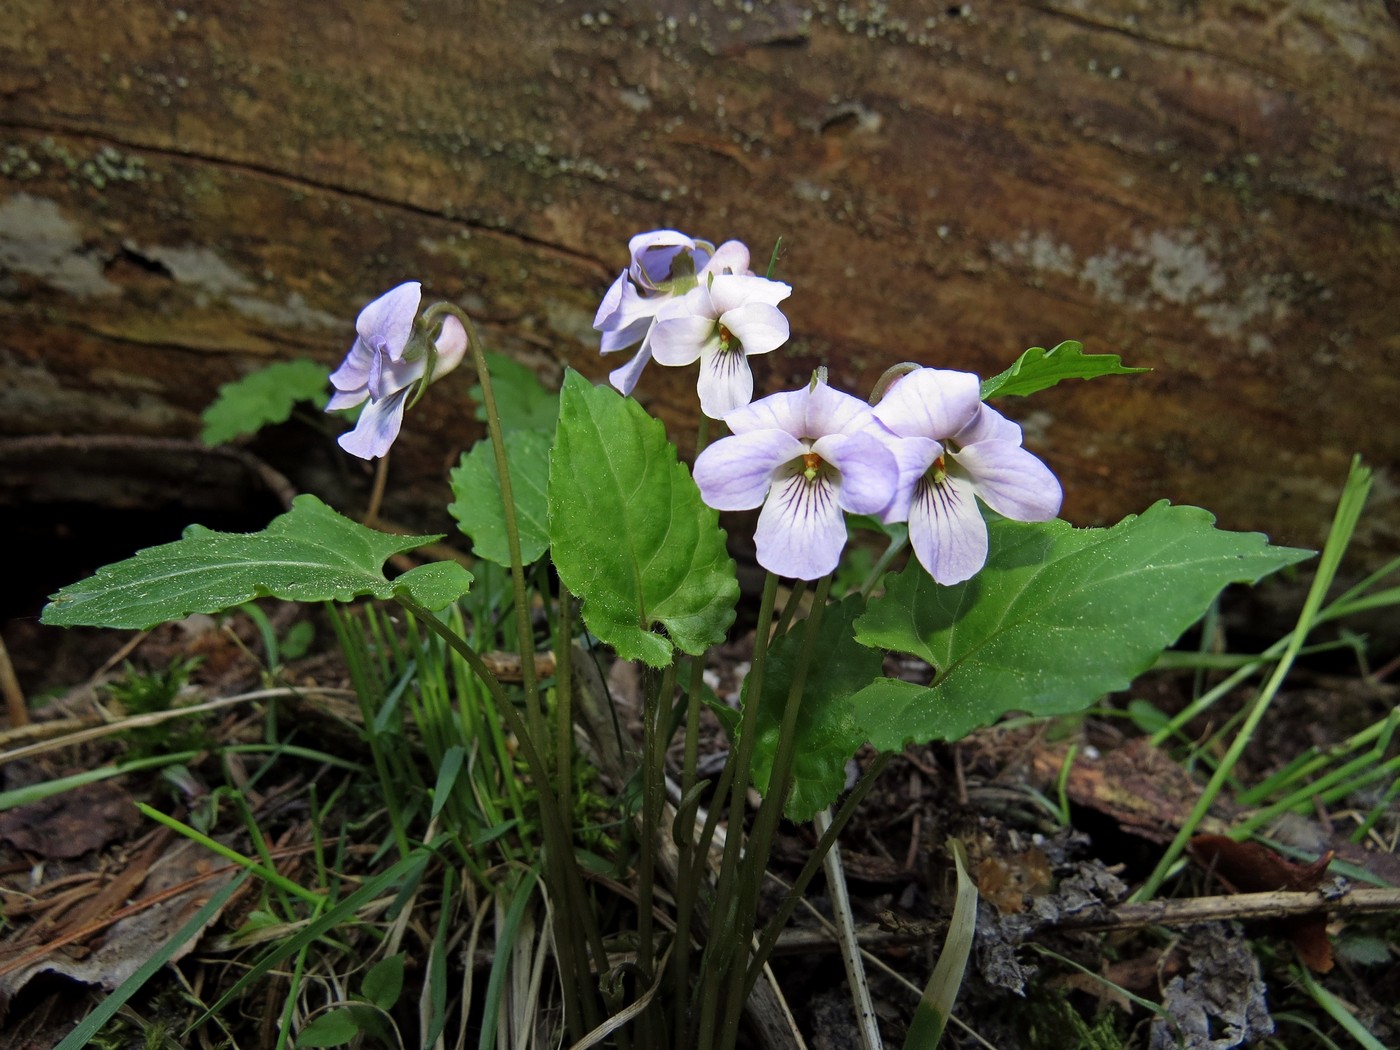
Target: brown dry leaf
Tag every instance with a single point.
(71, 823)
(1006, 881)
(1137, 785)
(130, 941)
(1248, 867)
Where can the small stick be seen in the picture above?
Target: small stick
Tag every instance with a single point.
(1272, 905)
(15, 706)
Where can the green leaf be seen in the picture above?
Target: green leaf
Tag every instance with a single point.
(630, 534)
(1039, 369)
(266, 396)
(308, 554)
(827, 731)
(477, 506)
(522, 401)
(332, 1028)
(1058, 617)
(384, 982)
(936, 1003)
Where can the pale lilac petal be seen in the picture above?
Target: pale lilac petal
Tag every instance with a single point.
(869, 473)
(759, 327)
(386, 323)
(931, 402)
(725, 383)
(731, 291)
(729, 257)
(989, 425)
(1010, 480)
(394, 376)
(378, 427)
(346, 399)
(785, 411)
(624, 379)
(623, 338)
(947, 532)
(451, 346)
(830, 411)
(735, 472)
(800, 530)
(629, 311)
(679, 340)
(353, 373)
(654, 254)
(612, 301)
(913, 456)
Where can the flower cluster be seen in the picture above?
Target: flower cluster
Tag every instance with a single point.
(386, 362)
(685, 300)
(924, 454)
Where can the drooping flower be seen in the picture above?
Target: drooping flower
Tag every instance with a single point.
(384, 367)
(722, 321)
(952, 450)
(805, 456)
(664, 264)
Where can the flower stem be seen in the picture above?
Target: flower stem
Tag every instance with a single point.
(376, 493)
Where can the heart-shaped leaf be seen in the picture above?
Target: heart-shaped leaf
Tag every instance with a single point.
(477, 506)
(629, 532)
(309, 554)
(1058, 617)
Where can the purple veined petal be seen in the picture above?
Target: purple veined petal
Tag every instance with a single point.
(912, 456)
(989, 425)
(386, 323)
(735, 472)
(624, 379)
(760, 328)
(1010, 480)
(731, 291)
(353, 373)
(946, 530)
(680, 340)
(832, 411)
(725, 383)
(378, 427)
(801, 529)
(931, 402)
(869, 472)
(346, 399)
(729, 257)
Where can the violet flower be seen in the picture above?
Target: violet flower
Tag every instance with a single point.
(722, 321)
(806, 456)
(664, 264)
(951, 450)
(384, 367)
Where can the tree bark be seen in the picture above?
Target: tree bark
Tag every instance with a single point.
(1211, 190)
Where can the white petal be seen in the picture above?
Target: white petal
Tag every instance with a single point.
(931, 402)
(759, 327)
(785, 411)
(346, 399)
(832, 411)
(735, 472)
(729, 257)
(947, 532)
(451, 345)
(378, 427)
(731, 291)
(679, 340)
(386, 323)
(725, 382)
(1012, 481)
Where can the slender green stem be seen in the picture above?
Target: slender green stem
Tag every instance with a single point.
(769, 938)
(376, 493)
(1353, 498)
(790, 607)
(656, 713)
(525, 634)
(560, 863)
(770, 811)
(892, 551)
(722, 946)
(564, 699)
(687, 889)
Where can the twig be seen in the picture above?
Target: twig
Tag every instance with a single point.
(15, 706)
(1272, 905)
